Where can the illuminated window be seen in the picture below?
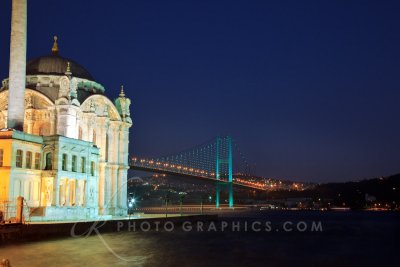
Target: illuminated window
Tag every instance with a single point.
(83, 164)
(37, 161)
(74, 163)
(19, 158)
(64, 162)
(1, 157)
(49, 162)
(28, 163)
(92, 168)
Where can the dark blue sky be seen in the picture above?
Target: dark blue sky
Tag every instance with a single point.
(309, 89)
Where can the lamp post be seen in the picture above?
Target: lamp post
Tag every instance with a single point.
(131, 205)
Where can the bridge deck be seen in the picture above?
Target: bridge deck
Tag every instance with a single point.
(193, 176)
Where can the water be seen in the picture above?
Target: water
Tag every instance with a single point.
(347, 239)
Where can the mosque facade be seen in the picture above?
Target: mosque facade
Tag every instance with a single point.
(63, 143)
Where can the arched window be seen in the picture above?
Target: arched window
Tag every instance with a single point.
(92, 168)
(94, 137)
(83, 164)
(37, 161)
(80, 134)
(28, 161)
(19, 158)
(64, 162)
(49, 161)
(74, 163)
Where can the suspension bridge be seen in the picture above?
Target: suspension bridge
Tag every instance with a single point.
(211, 161)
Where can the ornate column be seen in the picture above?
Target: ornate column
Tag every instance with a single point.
(77, 192)
(101, 189)
(56, 194)
(114, 187)
(123, 141)
(102, 131)
(56, 191)
(107, 187)
(67, 192)
(122, 183)
(61, 191)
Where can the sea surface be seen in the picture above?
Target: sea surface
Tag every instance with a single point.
(267, 238)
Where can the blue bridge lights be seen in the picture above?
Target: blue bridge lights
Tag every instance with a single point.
(211, 161)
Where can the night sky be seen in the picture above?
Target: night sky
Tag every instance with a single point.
(308, 89)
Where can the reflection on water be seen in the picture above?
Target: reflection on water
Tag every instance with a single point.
(348, 239)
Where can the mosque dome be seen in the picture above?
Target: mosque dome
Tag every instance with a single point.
(54, 64)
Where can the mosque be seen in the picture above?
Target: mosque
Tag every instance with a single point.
(63, 143)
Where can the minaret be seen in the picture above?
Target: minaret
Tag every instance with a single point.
(17, 76)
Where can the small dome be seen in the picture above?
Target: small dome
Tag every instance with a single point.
(56, 65)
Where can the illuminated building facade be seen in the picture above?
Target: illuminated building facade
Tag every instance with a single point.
(68, 154)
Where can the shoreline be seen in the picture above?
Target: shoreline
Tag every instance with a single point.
(38, 231)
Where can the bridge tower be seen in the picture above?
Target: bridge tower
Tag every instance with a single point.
(223, 168)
